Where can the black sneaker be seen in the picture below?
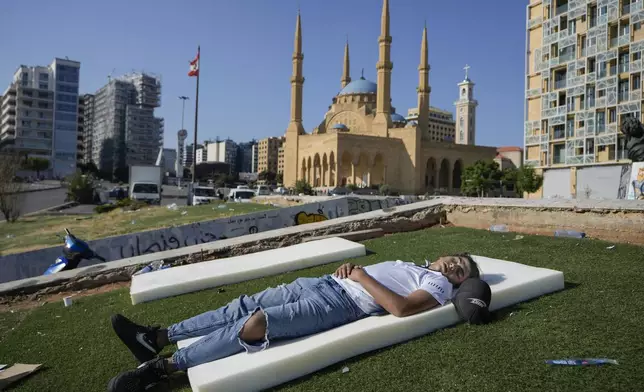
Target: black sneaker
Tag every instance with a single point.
(140, 379)
(139, 339)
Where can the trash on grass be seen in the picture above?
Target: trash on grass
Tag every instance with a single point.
(10, 235)
(16, 372)
(67, 301)
(499, 228)
(610, 247)
(133, 222)
(570, 234)
(222, 206)
(518, 237)
(173, 207)
(582, 362)
(184, 213)
(3, 366)
(345, 369)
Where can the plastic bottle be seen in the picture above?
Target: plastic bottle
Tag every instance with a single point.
(499, 228)
(153, 266)
(582, 362)
(570, 234)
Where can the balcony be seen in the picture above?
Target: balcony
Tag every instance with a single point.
(612, 42)
(601, 127)
(560, 84)
(613, 70)
(624, 67)
(562, 8)
(590, 103)
(626, 9)
(558, 134)
(559, 159)
(623, 96)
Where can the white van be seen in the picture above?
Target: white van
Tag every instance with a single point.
(203, 195)
(241, 195)
(262, 190)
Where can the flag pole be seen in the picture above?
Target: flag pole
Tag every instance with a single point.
(194, 145)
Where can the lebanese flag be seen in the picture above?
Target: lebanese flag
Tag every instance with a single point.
(194, 65)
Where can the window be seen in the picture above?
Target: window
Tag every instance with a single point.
(612, 115)
(42, 94)
(44, 76)
(637, 56)
(637, 26)
(636, 82)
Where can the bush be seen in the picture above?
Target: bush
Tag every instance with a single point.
(385, 190)
(301, 186)
(351, 187)
(105, 208)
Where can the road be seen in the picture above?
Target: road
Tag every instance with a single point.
(36, 201)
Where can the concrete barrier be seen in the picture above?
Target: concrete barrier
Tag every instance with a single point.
(34, 263)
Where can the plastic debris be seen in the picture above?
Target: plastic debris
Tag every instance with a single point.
(582, 362)
(499, 228)
(570, 234)
(133, 222)
(153, 266)
(222, 206)
(345, 369)
(518, 237)
(173, 207)
(184, 213)
(610, 247)
(10, 235)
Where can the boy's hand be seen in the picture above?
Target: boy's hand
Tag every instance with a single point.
(357, 273)
(345, 270)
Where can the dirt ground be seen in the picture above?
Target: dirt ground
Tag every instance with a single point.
(28, 301)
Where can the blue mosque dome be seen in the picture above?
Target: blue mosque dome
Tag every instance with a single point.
(360, 86)
(340, 127)
(397, 118)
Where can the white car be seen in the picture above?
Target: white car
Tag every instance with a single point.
(263, 190)
(241, 195)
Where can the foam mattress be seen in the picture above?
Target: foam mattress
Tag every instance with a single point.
(283, 361)
(208, 274)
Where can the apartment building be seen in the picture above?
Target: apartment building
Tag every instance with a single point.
(221, 151)
(268, 154)
(244, 162)
(125, 130)
(87, 126)
(39, 114)
(442, 126)
(583, 75)
(254, 158)
(280, 159)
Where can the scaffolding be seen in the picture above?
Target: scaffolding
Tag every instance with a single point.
(587, 101)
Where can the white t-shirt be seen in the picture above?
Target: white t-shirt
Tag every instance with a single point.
(402, 278)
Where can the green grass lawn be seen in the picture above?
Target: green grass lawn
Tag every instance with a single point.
(41, 231)
(598, 315)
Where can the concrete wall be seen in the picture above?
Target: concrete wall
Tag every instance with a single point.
(587, 182)
(34, 263)
(556, 183)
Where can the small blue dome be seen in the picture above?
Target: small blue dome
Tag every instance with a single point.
(340, 126)
(397, 118)
(360, 86)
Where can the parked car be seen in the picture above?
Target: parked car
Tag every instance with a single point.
(262, 190)
(241, 195)
(339, 191)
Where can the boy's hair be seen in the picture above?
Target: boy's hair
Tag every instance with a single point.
(474, 267)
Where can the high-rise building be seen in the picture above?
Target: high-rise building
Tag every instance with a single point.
(442, 127)
(244, 162)
(222, 151)
(169, 159)
(268, 154)
(125, 130)
(39, 113)
(87, 126)
(188, 155)
(255, 158)
(81, 136)
(583, 76)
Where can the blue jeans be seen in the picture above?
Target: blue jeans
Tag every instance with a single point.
(303, 307)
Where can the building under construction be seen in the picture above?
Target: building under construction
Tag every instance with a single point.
(124, 129)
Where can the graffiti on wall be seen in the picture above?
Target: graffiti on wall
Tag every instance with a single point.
(34, 263)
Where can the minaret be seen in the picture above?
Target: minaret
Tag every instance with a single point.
(346, 68)
(423, 87)
(382, 121)
(295, 127)
(466, 112)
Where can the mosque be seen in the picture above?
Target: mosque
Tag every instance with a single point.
(363, 141)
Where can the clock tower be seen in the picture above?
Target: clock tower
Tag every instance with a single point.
(466, 111)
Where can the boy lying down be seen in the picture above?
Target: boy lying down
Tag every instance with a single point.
(304, 307)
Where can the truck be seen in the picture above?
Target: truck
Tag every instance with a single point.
(145, 183)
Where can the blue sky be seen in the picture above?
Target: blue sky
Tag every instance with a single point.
(246, 48)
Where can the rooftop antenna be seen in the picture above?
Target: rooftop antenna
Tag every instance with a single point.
(109, 77)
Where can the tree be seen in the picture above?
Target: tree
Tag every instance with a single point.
(10, 197)
(36, 164)
(262, 175)
(528, 180)
(81, 188)
(480, 177)
(279, 178)
(301, 186)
